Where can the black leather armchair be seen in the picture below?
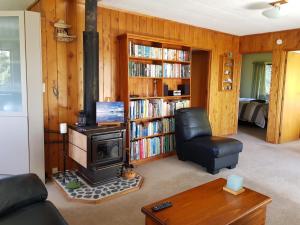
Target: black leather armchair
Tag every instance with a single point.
(23, 202)
(194, 142)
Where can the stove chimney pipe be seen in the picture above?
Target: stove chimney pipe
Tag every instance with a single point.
(91, 62)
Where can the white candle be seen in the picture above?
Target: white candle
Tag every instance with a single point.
(63, 128)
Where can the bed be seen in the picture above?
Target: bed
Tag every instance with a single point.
(253, 111)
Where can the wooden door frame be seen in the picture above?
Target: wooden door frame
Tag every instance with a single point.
(209, 51)
(269, 125)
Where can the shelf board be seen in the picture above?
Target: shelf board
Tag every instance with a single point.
(144, 59)
(152, 158)
(178, 78)
(141, 77)
(160, 60)
(176, 61)
(150, 118)
(152, 136)
(177, 97)
(161, 97)
(141, 98)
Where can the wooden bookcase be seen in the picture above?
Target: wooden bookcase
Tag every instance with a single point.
(226, 72)
(151, 88)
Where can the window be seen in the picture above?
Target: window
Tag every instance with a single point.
(268, 75)
(5, 69)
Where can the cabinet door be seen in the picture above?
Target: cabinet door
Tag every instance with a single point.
(12, 65)
(14, 154)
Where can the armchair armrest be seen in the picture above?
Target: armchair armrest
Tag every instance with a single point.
(19, 191)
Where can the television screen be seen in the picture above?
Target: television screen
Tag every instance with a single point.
(110, 112)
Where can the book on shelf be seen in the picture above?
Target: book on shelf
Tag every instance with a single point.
(168, 125)
(138, 130)
(169, 107)
(164, 126)
(168, 143)
(148, 147)
(145, 148)
(176, 55)
(155, 108)
(176, 70)
(144, 70)
(144, 51)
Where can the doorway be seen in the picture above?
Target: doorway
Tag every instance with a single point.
(200, 78)
(290, 112)
(255, 88)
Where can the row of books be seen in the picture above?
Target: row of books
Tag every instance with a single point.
(170, 107)
(155, 108)
(168, 143)
(149, 147)
(144, 70)
(168, 125)
(145, 148)
(177, 70)
(138, 130)
(178, 55)
(136, 50)
(145, 108)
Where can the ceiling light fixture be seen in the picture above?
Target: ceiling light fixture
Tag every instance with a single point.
(276, 10)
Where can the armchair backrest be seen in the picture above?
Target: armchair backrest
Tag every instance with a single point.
(191, 123)
(19, 191)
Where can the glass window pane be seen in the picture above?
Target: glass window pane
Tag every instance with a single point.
(268, 78)
(10, 68)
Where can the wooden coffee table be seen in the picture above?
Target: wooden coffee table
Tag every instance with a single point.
(208, 204)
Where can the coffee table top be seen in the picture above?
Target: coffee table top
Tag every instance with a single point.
(207, 204)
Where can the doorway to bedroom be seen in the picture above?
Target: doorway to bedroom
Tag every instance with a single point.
(255, 87)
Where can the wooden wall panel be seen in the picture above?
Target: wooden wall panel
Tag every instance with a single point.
(111, 23)
(267, 43)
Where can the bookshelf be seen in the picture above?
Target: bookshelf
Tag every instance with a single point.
(148, 67)
(226, 73)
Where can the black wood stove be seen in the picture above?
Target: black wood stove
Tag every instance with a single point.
(102, 151)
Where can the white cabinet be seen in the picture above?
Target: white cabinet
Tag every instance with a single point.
(21, 93)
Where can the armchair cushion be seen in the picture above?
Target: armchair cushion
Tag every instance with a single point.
(216, 146)
(19, 191)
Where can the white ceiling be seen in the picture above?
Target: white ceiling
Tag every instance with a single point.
(15, 4)
(239, 17)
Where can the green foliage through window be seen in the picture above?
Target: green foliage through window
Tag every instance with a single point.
(5, 68)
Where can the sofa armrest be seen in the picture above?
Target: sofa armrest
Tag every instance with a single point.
(19, 191)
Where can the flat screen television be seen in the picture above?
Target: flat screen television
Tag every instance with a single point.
(110, 112)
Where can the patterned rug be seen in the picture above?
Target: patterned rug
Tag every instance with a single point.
(96, 194)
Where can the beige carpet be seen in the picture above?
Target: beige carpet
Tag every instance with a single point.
(270, 169)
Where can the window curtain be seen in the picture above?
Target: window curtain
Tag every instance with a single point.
(258, 81)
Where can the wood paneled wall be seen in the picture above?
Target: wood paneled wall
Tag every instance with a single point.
(63, 63)
(267, 43)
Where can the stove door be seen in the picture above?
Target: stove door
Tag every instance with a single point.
(105, 152)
